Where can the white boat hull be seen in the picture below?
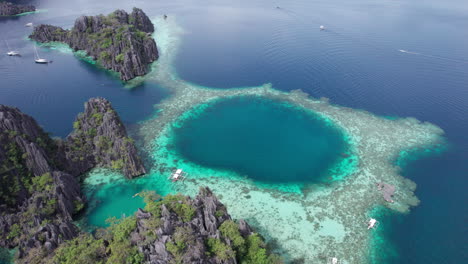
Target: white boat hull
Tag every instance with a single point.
(41, 61)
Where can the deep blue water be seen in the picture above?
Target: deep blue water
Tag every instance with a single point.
(262, 139)
(356, 62)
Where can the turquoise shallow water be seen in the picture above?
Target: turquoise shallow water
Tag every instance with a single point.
(265, 140)
(112, 200)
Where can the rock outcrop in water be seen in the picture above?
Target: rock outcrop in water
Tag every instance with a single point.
(39, 188)
(100, 139)
(11, 9)
(176, 229)
(120, 42)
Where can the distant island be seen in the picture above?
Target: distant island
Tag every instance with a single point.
(10, 9)
(120, 42)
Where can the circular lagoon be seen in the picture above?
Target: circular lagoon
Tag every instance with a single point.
(266, 140)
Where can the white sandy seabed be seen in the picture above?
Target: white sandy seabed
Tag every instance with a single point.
(313, 222)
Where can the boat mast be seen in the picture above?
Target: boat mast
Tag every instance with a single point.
(36, 53)
(8, 46)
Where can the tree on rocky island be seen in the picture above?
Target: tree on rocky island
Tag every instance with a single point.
(120, 42)
(175, 229)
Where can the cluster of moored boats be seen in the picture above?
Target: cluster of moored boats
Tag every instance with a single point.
(37, 58)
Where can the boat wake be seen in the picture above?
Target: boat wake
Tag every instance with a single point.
(433, 57)
(409, 52)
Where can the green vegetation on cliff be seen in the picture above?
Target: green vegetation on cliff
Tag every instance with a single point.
(120, 41)
(120, 242)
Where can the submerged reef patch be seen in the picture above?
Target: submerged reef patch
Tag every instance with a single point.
(311, 222)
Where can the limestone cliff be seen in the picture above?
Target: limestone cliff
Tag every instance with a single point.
(39, 188)
(11, 9)
(100, 139)
(37, 200)
(175, 229)
(120, 42)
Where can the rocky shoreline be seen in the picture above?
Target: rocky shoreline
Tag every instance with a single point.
(120, 42)
(175, 229)
(39, 188)
(11, 9)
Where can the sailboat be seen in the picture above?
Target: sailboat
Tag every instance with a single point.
(10, 51)
(37, 59)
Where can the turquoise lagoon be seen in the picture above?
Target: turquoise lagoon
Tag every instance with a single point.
(266, 140)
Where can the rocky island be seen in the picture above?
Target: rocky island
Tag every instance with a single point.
(120, 42)
(99, 139)
(11, 9)
(39, 184)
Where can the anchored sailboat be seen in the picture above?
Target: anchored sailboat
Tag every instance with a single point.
(37, 59)
(10, 51)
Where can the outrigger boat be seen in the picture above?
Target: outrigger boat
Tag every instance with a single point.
(177, 175)
(333, 260)
(372, 224)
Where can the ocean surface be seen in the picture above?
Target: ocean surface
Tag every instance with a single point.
(392, 58)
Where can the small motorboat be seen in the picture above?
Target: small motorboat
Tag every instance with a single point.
(29, 25)
(322, 27)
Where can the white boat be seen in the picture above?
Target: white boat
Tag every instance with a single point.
(372, 224)
(38, 59)
(29, 25)
(322, 27)
(11, 52)
(41, 61)
(177, 175)
(333, 260)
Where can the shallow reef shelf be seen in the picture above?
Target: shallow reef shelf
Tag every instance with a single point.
(314, 222)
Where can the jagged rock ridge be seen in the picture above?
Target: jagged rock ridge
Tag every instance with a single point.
(120, 41)
(39, 190)
(37, 200)
(176, 229)
(11, 9)
(100, 139)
